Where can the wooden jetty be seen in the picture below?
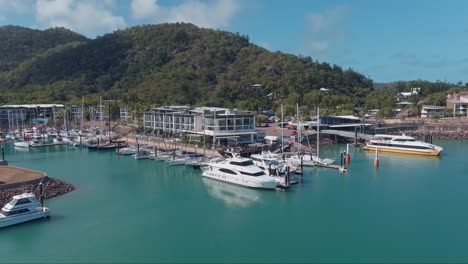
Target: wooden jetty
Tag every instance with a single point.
(329, 166)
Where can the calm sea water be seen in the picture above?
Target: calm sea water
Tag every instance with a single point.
(124, 210)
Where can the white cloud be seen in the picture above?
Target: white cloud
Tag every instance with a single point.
(142, 9)
(325, 30)
(212, 14)
(17, 6)
(86, 17)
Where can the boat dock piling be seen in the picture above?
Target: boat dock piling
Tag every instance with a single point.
(3, 161)
(376, 159)
(347, 158)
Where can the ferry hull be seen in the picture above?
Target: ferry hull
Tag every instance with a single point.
(404, 151)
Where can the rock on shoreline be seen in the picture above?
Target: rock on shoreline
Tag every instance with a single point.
(436, 134)
(51, 188)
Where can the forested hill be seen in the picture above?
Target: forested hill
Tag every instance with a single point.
(164, 64)
(18, 44)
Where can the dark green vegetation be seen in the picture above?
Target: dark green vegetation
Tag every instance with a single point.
(179, 63)
(166, 64)
(431, 93)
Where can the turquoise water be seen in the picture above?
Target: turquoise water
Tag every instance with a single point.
(410, 209)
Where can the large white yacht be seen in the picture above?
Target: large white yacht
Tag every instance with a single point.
(240, 171)
(22, 208)
(402, 144)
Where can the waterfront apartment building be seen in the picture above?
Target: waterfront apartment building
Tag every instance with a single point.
(75, 113)
(459, 104)
(431, 111)
(123, 113)
(14, 116)
(221, 125)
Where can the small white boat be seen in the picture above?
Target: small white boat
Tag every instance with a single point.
(162, 157)
(21, 144)
(142, 155)
(176, 162)
(127, 151)
(22, 208)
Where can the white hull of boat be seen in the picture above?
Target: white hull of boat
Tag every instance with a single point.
(22, 144)
(242, 181)
(9, 221)
(176, 162)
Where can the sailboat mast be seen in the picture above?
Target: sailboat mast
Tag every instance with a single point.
(81, 117)
(318, 133)
(282, 129)
(299, 130)
(109, 119)
(101, 127)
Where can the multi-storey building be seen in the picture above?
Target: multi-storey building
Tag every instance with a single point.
(28, 114)
(221, 125)
(459, 104)
(124, 116)
(75, 113)
(431, 111)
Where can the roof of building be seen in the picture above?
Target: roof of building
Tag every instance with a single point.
(433, 107)
(348, 117)
(453, 101)
(32, 106)
(404, 103)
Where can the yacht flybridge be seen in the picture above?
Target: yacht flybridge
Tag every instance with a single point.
(22, 208)
(402, 144)
(240, 171)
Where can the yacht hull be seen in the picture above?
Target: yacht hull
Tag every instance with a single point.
(239, 181)
(9, 221)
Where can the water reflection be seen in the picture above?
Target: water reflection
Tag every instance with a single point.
(232, 195)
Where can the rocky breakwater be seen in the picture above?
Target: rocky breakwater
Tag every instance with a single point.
(50, 188)
(436, 134)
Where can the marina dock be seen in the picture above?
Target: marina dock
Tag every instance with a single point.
(167, 146)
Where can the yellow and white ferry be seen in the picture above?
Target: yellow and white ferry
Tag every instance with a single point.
(402, 144)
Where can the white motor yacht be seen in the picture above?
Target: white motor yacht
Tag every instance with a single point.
(240, 171)
(402, 144)
(22, 208)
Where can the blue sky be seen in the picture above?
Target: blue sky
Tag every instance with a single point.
(385, 40)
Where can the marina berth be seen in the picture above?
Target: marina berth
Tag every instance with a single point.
(274, 166)
(239, 171)
(402, 144)
(22, 208)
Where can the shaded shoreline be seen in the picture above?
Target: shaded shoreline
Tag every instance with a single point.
(51, 188)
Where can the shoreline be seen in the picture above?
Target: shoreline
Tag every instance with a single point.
(51, 188)
(456, 135)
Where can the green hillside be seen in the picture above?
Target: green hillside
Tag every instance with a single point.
(18, 44)
(169, 64)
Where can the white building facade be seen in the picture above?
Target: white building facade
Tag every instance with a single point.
(221, 125)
